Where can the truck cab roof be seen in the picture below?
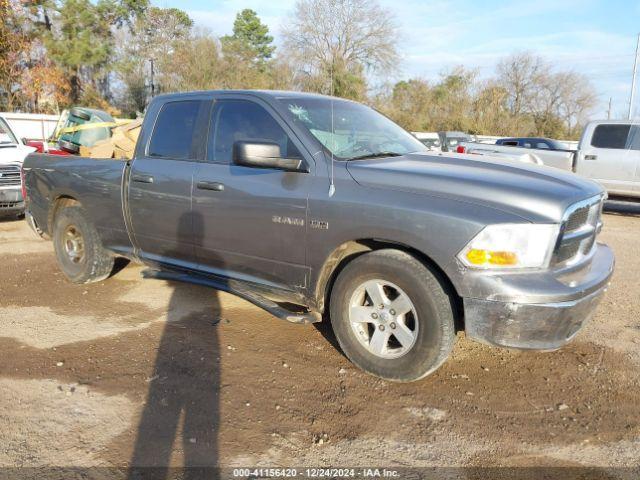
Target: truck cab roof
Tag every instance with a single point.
(265, 94)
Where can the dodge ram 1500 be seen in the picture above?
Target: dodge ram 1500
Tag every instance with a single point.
(315, 207)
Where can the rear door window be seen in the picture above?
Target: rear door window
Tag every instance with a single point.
(610, 136)
(174, 130)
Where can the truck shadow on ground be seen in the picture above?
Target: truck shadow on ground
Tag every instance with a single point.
(182, 403)
(184, 387)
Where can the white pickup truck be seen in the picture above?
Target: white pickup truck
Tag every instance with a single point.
(12, 154)
(608, 152)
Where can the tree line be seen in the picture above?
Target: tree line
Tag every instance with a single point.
(115, 54)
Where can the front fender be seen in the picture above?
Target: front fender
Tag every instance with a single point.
(436, 227)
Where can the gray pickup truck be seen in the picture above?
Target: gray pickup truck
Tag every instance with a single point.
(315, 207)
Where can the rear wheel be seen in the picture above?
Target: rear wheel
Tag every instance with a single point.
(392, 315)
(79, 250)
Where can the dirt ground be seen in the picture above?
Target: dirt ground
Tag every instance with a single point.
(147, 372)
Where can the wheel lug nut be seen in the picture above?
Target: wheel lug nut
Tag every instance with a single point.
(392, 325)
(381, 307)
(374, 315)
(381, 327)
(392, 312)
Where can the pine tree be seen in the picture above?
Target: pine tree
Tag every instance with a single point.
(250, 37)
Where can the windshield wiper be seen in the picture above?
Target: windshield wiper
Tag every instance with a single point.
(375, 155)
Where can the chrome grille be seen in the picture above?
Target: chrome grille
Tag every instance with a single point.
(9, 175)
(567, 251)
(578, 232)
(10, 204)
(577, 219)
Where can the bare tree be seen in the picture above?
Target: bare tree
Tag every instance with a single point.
(153, 37)
(546, 102)
(520, 75)
(490, 113)
(527, 98)
(577, 100)
(542, 100)
(15, 44)
(408, 102)
(341, 37)
(195, 64)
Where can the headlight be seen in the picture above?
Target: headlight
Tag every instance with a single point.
(511, 245)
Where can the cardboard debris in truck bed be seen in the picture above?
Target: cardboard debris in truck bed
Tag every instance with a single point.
(122, 143)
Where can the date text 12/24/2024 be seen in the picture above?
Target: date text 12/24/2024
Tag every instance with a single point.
(315, 473)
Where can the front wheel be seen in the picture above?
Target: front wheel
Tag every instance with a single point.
(392, 315)
(78, 247)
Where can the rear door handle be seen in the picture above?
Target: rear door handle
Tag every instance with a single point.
(214, 186)
(142, 178)
(591, 157)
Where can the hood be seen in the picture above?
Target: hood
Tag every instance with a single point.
(13, 153)
(533, 192)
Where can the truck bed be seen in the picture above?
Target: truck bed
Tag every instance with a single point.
(95, 183)
(562, 159)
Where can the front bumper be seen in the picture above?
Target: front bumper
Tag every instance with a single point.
(544, 320)
(11, 201)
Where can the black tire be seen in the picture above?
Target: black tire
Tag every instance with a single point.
(94, 263)
(68, 146)
(432, 302)
(81, 114)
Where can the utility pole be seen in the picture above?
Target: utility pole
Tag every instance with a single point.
(153, 86)
(633, 80)
(609, 109)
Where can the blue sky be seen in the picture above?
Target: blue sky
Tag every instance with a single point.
(595, 37)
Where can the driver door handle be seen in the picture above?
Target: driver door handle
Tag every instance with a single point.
(591, 157)
(142, 178)
(213, 186)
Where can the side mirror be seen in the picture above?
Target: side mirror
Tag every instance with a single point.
(263, 155)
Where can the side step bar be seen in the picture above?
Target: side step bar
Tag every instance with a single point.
(258, 300)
